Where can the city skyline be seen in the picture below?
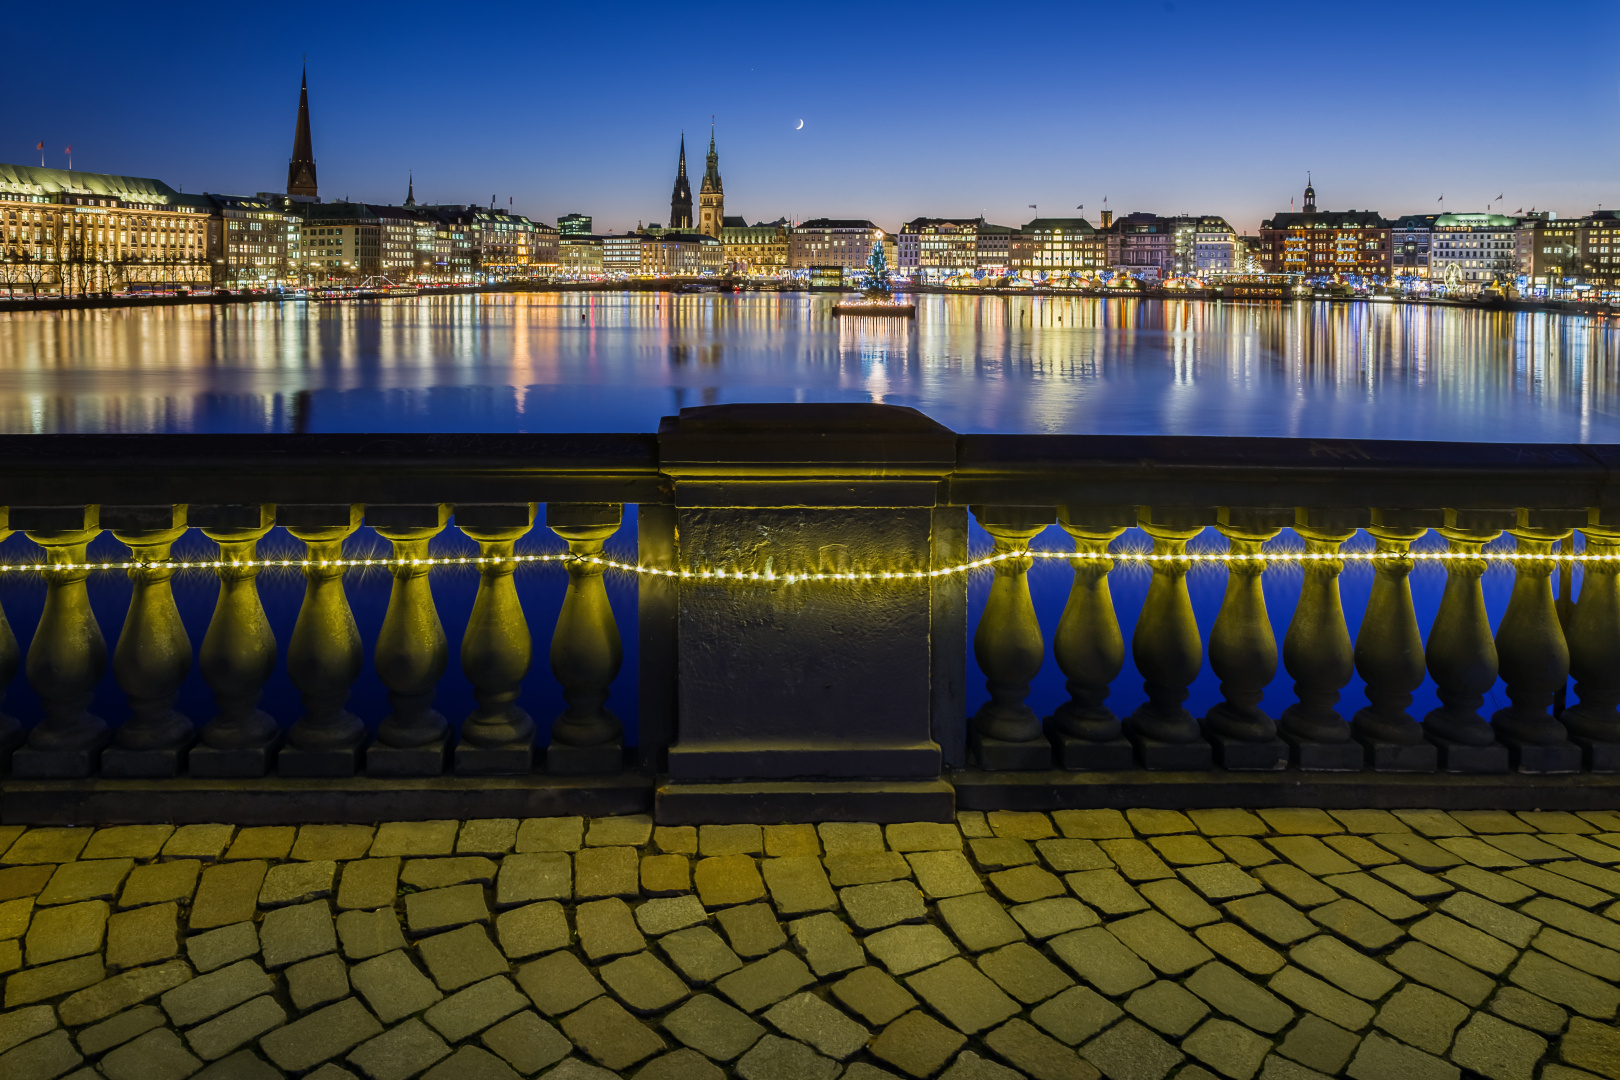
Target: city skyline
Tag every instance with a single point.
(1204, 119)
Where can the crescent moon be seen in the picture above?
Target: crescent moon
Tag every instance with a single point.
(801, 124)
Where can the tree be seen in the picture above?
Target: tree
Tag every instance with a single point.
(875, 284)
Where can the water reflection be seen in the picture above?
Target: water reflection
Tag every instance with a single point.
(618, 361)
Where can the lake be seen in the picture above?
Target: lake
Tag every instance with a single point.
(593, 361)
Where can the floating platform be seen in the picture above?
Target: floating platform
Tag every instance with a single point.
(877, 311)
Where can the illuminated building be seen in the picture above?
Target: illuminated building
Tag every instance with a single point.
(1142, 245)
(249, 239)
(832, 243)
(579, 255)
(621, 255)
(944, 247)
(341, 242)
(1202, 245)
(77, 232)
(712, 197)
(759, 250)
(1554, 252)
(681, 254)
(574, 225)
(1483, 248)
(1325, 243)
(680, 202)
(301, 168)
(1057, 246)
(1409, 239)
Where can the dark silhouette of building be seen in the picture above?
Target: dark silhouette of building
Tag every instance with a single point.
(680, 203)
(410, 189)
(301, 169)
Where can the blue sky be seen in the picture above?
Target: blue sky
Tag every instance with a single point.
(944, 109)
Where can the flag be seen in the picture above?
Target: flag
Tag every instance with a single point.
(1032, 206)
(69, 150)
(1442, 198)
(1499, 198)
(41, 145)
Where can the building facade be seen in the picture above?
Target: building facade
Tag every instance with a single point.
(673, 254)
(574, 225)
(1204, 246)
(680, 201)
(1474, 250)
(68, 233)
(758, 250)
(1410, 238)
(832, 243)
(579, 256)
(252, 243)
(1327, 243)
(342, 244)
(1142, 245)
(1556, 253)
(1057, 246)
(712, 196)
(621, 255)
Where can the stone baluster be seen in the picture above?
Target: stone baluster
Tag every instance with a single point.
(238, 651)
(1084, 732)
(11, 729)
(1167, 646)
(1243, 647)
(1006, 733)
(1461, 652)
(324, 654)
(496, 651)
(68, 655)
(1593, 721)
(1317, 651)
(412, 652)
(1389, 649)
(153, 653)
(1533, 657)
(585, 647)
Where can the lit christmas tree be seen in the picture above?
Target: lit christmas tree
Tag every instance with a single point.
(875, 287)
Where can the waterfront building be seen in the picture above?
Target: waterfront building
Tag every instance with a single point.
(252, 243)
(1410, 237)
(341, 243)
(1556, 253)
(681, 254)
(1057, 246)
(758, 250)
(621, 255)
(1600, 250)
(832, 243)
(76, 232)
(712, 196)
(1142, 245)
(1473, 250)
(1325, 243)
(1203, 246)
(680, 202)
(944, 247)
(543, 254)
(301, 168)
(574, 225)
(579, 255)
(399, 242)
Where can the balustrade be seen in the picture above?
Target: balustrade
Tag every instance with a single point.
(1522, 660)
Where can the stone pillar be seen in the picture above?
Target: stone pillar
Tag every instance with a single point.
(1317, 650)
(495, 653)
(412, 653)
(325, 653)
(1168, 648)
(1461, 653)
(68, 655)
(238, 652)
(11, 729)
(153, 654)
(1005, 733)
(804, 700)
(1085, 734)
(1533, 657)
(1593, 721)
(585, 647)
(1243, 648)
(1389, 650)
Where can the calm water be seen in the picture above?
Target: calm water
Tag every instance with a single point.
(618, 362)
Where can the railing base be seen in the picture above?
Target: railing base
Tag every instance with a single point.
(116, 761)
(1269, 756)
(992, 753)
(769, 802)
(276, 800)
(1557, 758)
(1060, 790)
(1462, 758)
(385, 760)
(1401, 757)
(1309, 756)
(1073, 753)
(1598, 757)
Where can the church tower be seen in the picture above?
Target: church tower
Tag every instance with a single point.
(301, 169)
(1310, 195)
(680, 203)
(712, 199)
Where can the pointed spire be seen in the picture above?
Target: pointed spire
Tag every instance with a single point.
(680, 200)
(682, 171)
(301, 169)
(410, 189)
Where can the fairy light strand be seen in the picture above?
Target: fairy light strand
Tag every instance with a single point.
(1128, 558)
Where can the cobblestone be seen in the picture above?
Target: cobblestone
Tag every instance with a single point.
(1020, 926)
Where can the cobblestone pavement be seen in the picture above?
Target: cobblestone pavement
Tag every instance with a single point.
(1284, 944)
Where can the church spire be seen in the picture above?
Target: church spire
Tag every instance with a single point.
(1310, 195)
(712, 198)
(410, 189)
(301, 169)
(680, 200)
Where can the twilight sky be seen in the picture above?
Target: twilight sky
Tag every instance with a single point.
(947, 109)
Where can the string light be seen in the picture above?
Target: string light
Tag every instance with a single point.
(1142, 558)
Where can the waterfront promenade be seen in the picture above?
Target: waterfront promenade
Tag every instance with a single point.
(1284, 944)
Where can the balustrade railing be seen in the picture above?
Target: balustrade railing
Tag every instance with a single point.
(1317, 506)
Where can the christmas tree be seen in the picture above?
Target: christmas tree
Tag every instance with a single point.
(875, 287)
